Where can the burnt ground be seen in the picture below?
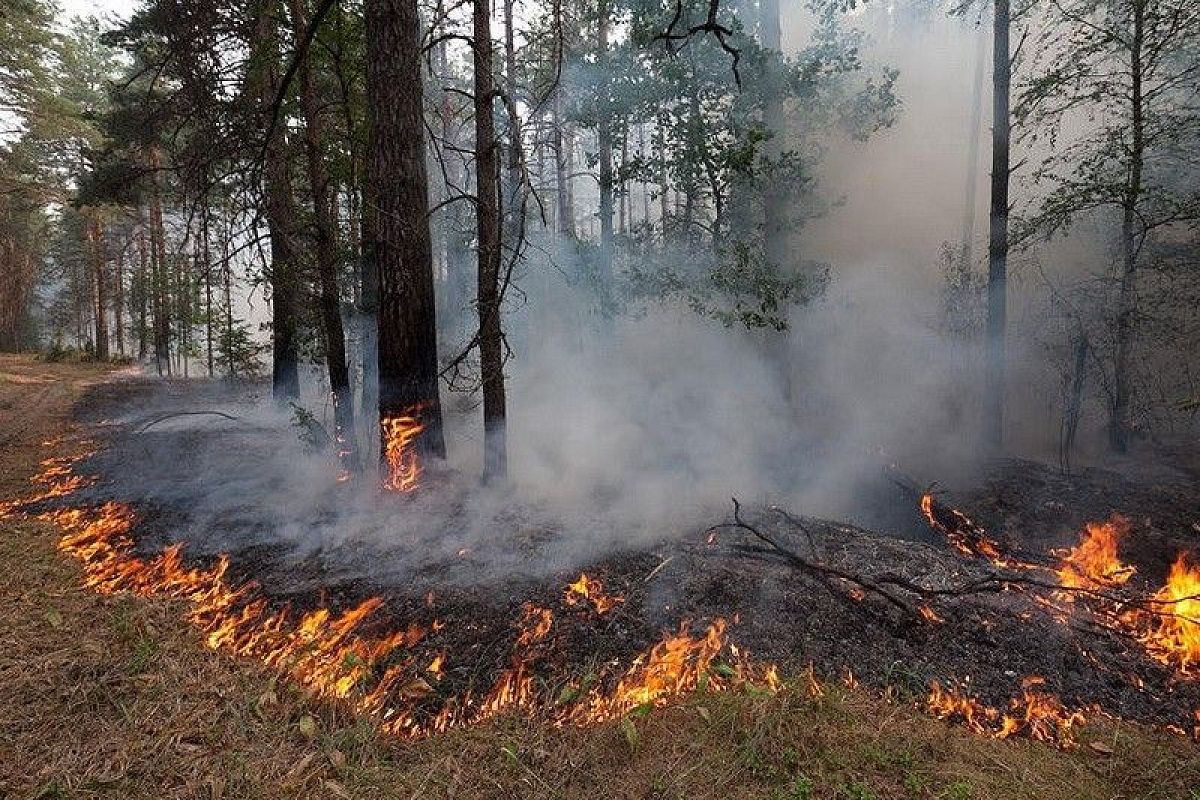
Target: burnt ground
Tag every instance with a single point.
(472, 566)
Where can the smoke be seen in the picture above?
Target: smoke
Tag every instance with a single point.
(627, 431)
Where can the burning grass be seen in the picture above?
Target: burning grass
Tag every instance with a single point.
(107, 695)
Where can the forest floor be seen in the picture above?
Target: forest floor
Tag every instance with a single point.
(116, 696)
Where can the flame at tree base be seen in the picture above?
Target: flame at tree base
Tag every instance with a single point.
(400, 455)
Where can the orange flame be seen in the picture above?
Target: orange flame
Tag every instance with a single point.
(590, 590)
(1036, 713)
(1175, 636)
(1094, 561)
(961, 533)
(400, 452)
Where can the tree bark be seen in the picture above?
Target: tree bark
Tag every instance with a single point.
(1119, 421)
(604, 136)
(327, 258)
(95, 234)
(158, 266)
(143, 290)
(997, 292)
(775, 222)
(119, 301)
(491, 345)
(279, 211)
(408, 364)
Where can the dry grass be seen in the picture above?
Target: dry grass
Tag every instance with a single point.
(116, 697)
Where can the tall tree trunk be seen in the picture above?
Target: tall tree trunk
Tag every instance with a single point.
(491, 345)
(143, 292)
(280, 213)
(664, 189)
(604, 136)
(326, 225)
(967, 240)
(208, 287)
(1119, 421)
(158, 262)
(997, 291)
(100, 281)
(560, 142)
(397, 183)
(775, 196)
(119, 301)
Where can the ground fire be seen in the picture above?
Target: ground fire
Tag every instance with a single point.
(405, 678)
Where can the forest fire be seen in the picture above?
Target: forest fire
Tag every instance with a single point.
(335, 656)
(407, 680)
(400, 451)
(1094, 561)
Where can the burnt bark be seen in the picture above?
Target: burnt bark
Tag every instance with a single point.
(491, 343)
(408, 364)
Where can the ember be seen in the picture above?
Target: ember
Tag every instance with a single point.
(961, 533)
(590, 590)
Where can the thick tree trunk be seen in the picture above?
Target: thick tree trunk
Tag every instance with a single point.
(997, 292)
(1119, 418)
(327, 258)
(491, 345)
(95, 234)
(408, 364)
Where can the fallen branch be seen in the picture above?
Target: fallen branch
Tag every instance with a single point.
(821, 571)
(166, 417)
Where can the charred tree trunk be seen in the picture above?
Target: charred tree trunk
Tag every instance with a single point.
(997, 291)
(1119, 421)
(408, 364)
(327, 258)
(491, 345)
